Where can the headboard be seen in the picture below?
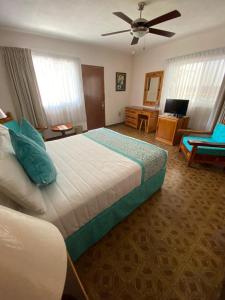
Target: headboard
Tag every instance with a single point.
(7, 119)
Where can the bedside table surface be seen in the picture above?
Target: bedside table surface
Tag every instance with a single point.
(62, 127)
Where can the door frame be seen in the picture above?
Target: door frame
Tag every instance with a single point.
(93, 66)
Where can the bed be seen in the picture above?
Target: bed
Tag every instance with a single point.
(102, 176)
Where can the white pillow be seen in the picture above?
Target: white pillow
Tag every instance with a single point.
(5, 142)
(14, 183)
(4, 130)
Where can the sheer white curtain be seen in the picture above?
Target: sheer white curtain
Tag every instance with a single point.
(196, 77)
(61, 88)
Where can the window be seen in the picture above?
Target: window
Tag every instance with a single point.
(198, 78)
(60, 84)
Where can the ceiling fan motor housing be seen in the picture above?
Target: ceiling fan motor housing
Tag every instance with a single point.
(138, 28)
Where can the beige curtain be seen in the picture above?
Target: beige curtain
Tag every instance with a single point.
(222, 115)
(218, 114)
(198, 78)
(27, 99)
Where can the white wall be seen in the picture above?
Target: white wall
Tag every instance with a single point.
(155, 59)
(112, 60)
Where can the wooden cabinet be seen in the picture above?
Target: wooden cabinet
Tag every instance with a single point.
(167, 128)
(134, 113)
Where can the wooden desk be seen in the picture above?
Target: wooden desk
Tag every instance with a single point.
(167, 128)
(133, 113)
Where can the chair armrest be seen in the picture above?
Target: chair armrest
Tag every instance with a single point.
(190, 131)
(206, 144)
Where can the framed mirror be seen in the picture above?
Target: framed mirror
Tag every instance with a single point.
(153, 88)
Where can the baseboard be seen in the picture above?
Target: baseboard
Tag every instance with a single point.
(111, 125)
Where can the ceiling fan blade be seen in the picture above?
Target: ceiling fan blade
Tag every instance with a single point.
(161, 32)
(115, 32)
(135, 40)
(169, 16)
(123, 17)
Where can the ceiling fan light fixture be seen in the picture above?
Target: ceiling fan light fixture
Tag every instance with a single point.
(139, 32)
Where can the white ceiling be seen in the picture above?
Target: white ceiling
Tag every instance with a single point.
(85, 20)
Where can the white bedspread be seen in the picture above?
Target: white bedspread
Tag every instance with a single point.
(90, 178)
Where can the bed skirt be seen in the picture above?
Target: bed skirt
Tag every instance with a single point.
(94, 230)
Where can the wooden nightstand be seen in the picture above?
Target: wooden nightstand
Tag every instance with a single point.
(63, 128)
(7, 119)
(167, 129)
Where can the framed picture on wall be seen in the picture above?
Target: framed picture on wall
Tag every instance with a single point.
(120, 81)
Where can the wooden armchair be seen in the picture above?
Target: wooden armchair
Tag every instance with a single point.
(209, 148)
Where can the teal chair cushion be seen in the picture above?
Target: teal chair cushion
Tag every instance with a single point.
(34, 159)
(204, 150)
(28, 130)
(14, 125)
(219, 133)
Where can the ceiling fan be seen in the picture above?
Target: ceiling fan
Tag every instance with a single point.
(141, 26)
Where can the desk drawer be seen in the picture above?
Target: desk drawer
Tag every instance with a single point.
(128, 123)
(153, 114)
(131, 122)
(130, 110)
(132, 115)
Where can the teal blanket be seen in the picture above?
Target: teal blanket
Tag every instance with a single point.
(78, 242)
(150, 157)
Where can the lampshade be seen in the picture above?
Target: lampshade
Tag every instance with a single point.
(2, 114)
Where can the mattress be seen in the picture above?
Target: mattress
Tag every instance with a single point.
(90, 178)
(93, 173)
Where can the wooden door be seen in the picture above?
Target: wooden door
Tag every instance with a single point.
(94, 95)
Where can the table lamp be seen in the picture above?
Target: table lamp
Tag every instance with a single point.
(2, 114)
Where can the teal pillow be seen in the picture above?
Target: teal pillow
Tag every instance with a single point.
(34, 159)
(28, 130)
(13, 125)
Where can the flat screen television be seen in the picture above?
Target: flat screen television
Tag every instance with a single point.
(177, 107)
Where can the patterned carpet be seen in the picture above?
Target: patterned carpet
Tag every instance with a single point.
(170, 248)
